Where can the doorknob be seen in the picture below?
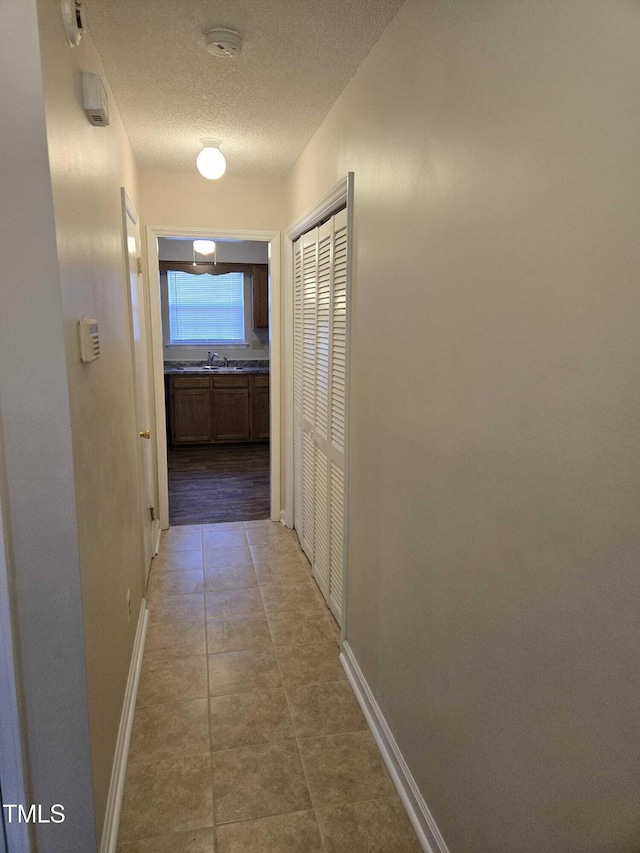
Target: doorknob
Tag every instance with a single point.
(146, 434)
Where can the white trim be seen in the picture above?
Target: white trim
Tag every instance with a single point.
(421, 818)
(119, 770)
(275, 345)
(275, 360)
(287, 512)
(347, 392)
(156, 538)
(192, 344)
(327, 205)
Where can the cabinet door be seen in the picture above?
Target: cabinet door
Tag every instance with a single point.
(191, 421)
(260, 298)
(231, 414)
(260, 409)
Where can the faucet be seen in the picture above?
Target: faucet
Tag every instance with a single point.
(210, 358)
(226, 361)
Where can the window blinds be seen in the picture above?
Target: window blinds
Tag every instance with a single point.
(206, 308)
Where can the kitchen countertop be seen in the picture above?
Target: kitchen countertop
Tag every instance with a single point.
(200, 368)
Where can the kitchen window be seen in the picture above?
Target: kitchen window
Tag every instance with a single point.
(205, 308)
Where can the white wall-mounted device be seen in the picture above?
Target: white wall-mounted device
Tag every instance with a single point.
(223, 42)
(95, 101)
(89, 339)
(72, 21)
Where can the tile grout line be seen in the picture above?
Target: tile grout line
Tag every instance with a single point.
(208, 652)
(293, 728)
(209, 752)
(206, 663)
(206, 646)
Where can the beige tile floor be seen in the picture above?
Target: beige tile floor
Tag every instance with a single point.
(247, 737)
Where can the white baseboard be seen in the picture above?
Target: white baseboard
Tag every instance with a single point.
(119, 771)
(421, 818)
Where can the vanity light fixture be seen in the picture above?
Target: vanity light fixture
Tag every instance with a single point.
(210, 161)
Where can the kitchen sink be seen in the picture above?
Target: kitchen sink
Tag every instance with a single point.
(203, 368)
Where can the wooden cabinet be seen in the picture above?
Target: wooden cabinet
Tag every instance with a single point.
(191, 409)
(231, 420)
(260, 297)
(218, 408)
(260, 408)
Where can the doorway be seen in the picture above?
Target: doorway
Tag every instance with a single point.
(217, 392)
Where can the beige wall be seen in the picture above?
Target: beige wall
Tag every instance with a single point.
(187, 200)
(37, 494)
(493, 579)
(88, 167)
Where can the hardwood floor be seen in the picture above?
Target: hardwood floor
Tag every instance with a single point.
(228, 482)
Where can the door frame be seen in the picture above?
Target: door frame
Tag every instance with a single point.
(339, 196)
(272, 238)
(129, 212)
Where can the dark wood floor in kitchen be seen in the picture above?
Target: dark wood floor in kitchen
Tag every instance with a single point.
(222, 482)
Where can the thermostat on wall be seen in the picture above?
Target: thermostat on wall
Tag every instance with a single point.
(94, 99)
(89, 339)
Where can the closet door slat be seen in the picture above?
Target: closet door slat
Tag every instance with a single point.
(336, 557)
(321, 548)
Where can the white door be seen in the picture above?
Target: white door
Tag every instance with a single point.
(322, 528)
(141, 377)
(297, 388)
(309, 305)
(338, 410)
(320, 398)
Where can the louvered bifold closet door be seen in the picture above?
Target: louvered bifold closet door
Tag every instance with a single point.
(320, 401)
(322, 538)
(338, 411)
(309, 308)
(297, 385)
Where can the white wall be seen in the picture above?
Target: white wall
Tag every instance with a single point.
(493, 580)
(88, 167)
(37, 490)
(242, 252)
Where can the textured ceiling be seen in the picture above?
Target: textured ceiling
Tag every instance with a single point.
(264, 105)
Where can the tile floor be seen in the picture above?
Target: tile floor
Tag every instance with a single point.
(247, 737)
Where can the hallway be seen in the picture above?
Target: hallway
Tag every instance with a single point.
(247, 736)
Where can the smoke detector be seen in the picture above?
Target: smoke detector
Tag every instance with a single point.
(223, 42)
(72, 20)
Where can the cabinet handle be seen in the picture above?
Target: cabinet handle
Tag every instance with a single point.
(145, 434)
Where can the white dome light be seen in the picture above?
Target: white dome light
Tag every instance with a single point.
(210, 161)
(204, 247)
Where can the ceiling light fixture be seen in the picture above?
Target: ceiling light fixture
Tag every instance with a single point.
(210, 161)
(204, 247)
